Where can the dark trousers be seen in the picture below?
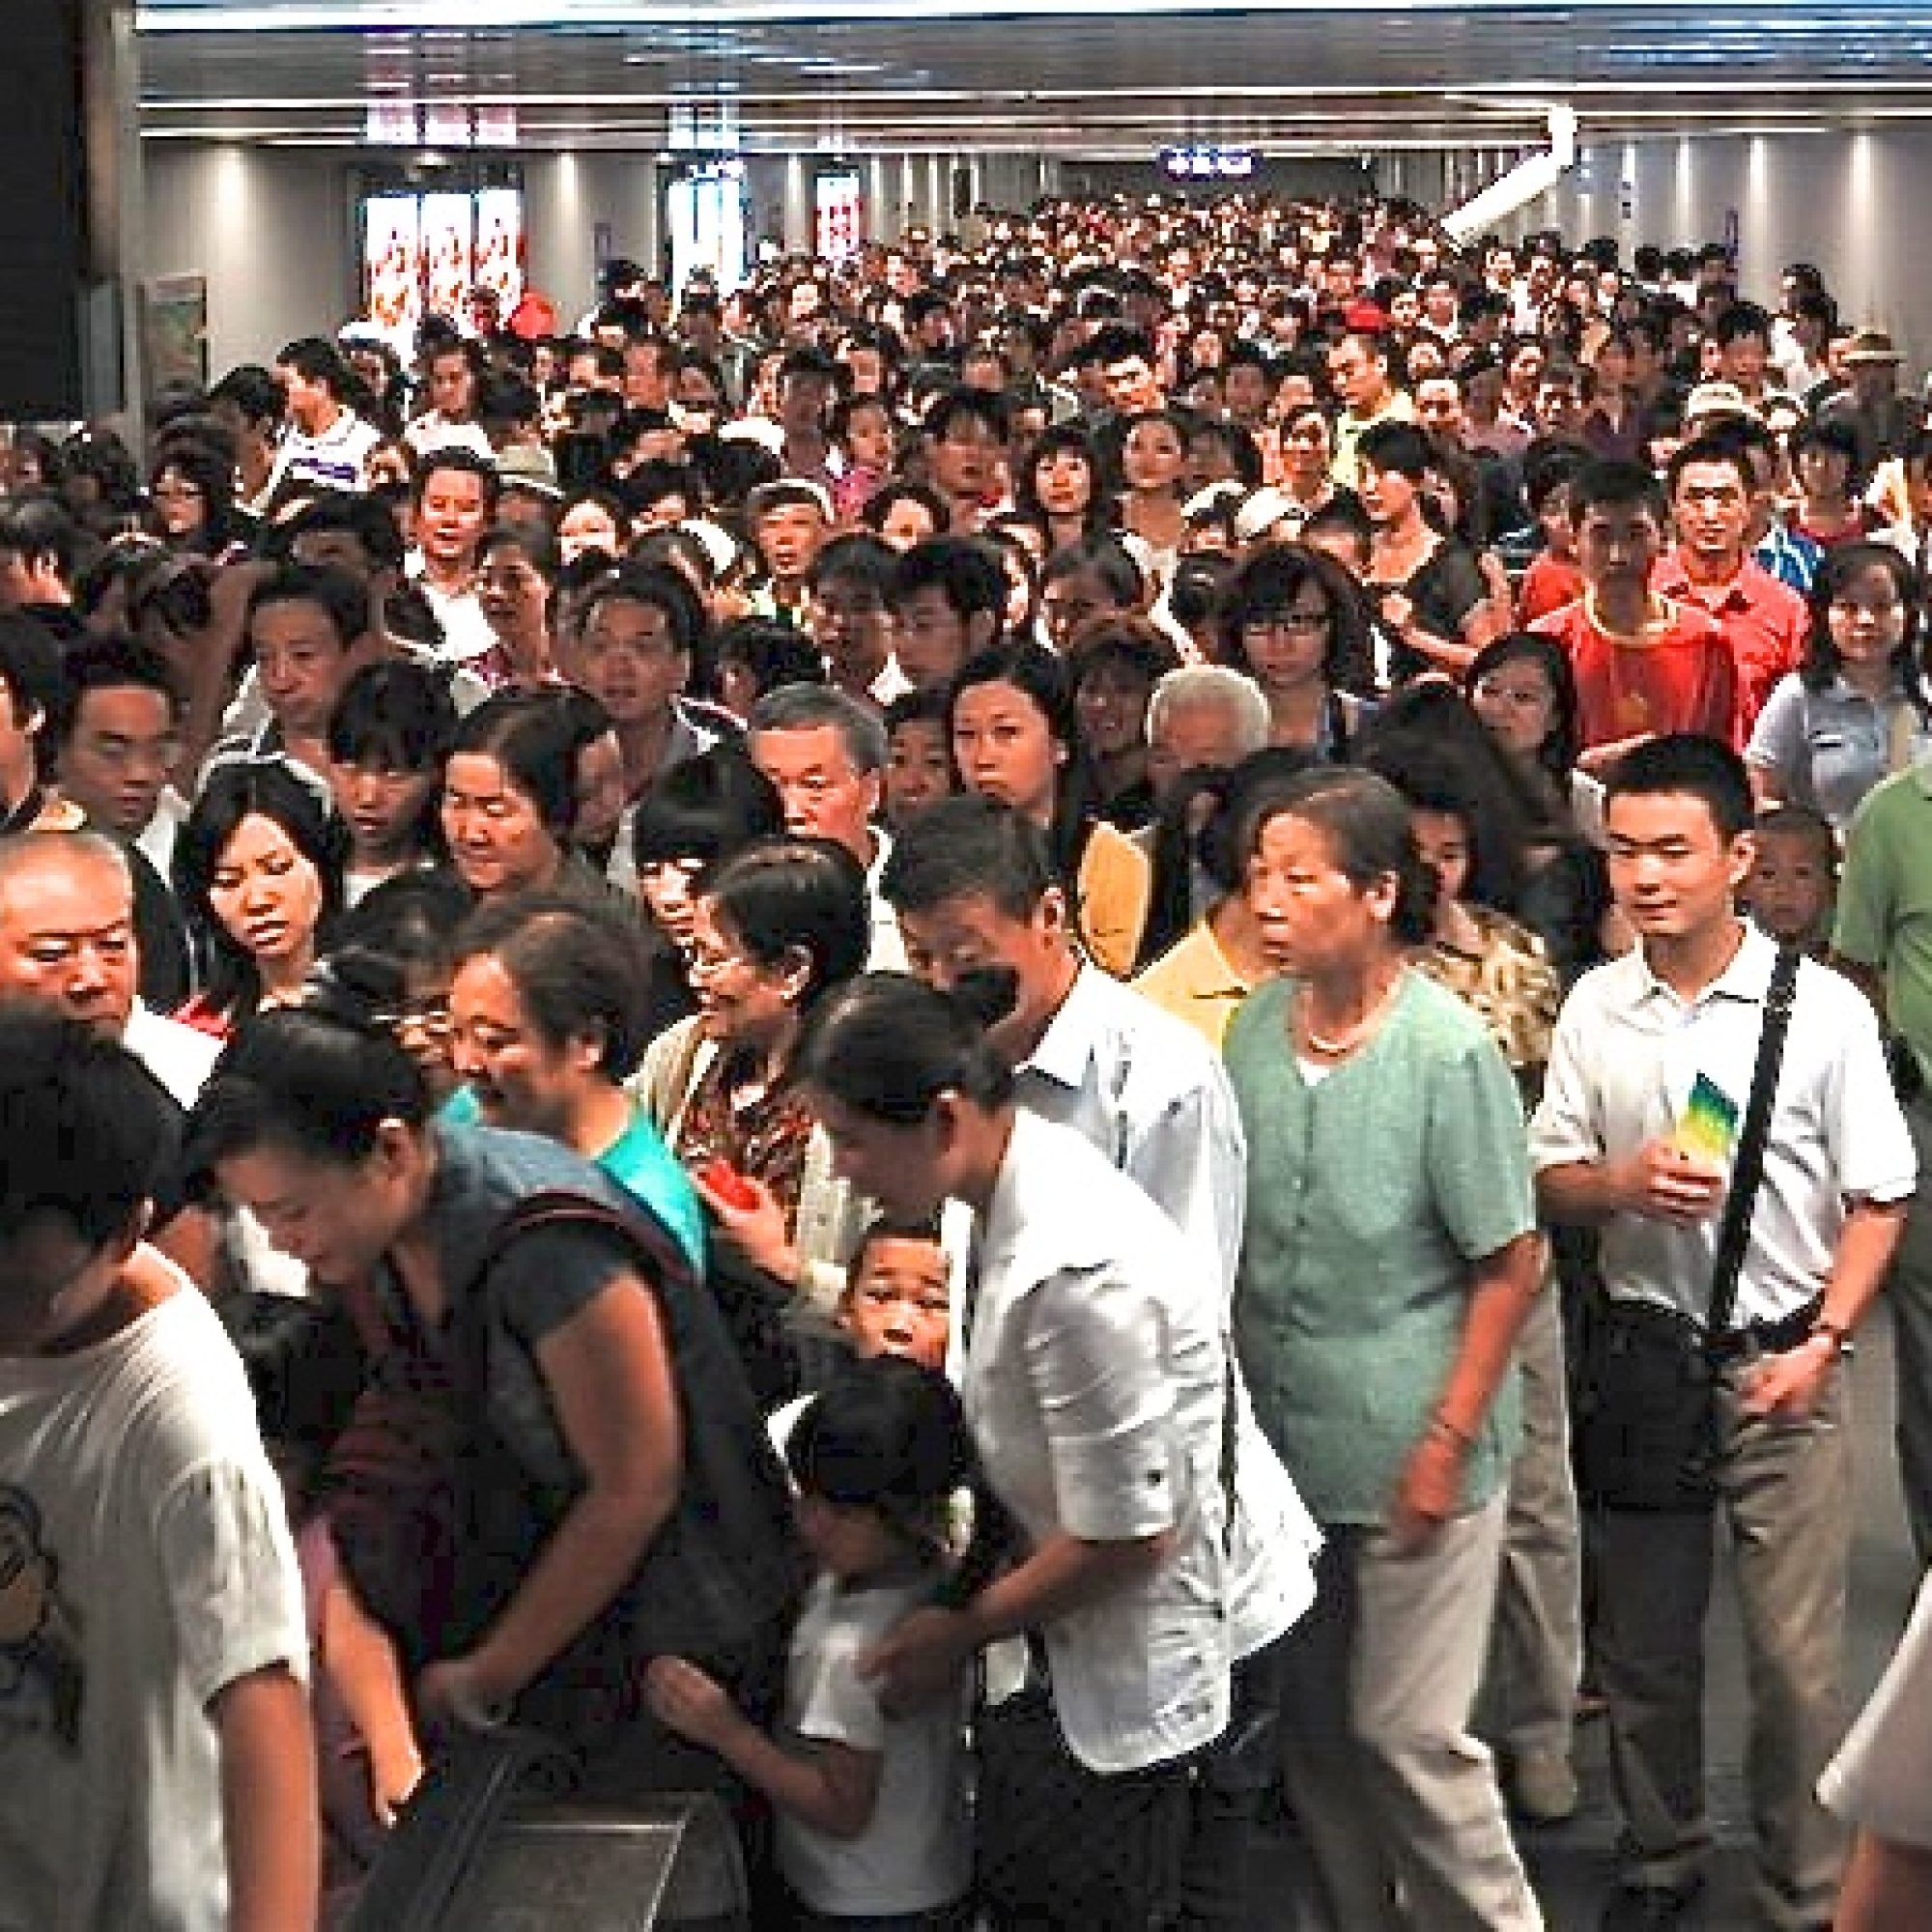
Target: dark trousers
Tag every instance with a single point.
(1062, 1848)
(1233, 1779)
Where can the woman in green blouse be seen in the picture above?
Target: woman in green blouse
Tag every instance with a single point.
(1390, 1256)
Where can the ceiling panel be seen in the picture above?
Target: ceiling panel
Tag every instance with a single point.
(1079, 79)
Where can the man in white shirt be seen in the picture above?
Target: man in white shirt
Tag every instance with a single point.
(825, 753)
(1618, 1143)
(977, 908)
(456, 495)
(325, 444)
(67, 940)
(160, 1761)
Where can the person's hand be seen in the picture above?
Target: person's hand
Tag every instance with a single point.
(1662, 1182)
(919, 1659)
(1788, 1385)
(393, 1775)
(460, 1692)
(684, 1699)
(1429, 1490)
(748, 1211)
(1398, 612)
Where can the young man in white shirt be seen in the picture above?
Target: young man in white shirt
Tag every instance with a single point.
(1618, 1144)
(325, 444)
(160, 1762)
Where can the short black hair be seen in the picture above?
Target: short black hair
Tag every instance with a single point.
(966, 571)
(332, 590)
(461, 458)
(305, 1370)
(889, 1228)
(30, 664)
(1695, 766)
(1798, 821)
(1613, 483)
(114, 662)
(706, 809)
(369, 519)
(969, 847)
(41, 527)
(963, 402)
(397, 713)
(256, 393)
(1709, 450)
(90, 1135)
(657, 586)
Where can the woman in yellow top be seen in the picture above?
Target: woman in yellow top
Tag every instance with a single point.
(1015, 736)
(1219, 959)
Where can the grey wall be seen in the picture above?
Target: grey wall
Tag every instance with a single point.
(1844, 200)
(272, 231)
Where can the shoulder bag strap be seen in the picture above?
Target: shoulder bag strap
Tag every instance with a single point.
(1734, 1231)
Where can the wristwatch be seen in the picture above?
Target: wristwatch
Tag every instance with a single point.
(1838, 1335)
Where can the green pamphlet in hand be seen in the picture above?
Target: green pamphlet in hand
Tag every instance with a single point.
(1707, 1129)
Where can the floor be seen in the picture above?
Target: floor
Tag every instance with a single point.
(1571, 1864)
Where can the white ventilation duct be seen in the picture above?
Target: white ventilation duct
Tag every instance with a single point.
(1522, 185)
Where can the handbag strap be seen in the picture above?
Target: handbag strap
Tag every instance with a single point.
(1734, 1230)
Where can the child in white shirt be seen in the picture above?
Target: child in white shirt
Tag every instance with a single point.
(871, 1809)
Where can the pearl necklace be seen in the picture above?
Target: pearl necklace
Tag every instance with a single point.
(1333, 1048)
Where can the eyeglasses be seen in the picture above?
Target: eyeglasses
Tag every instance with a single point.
(1256, 622)
(426, 1020)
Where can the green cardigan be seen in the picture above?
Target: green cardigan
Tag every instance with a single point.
(1369, 1193)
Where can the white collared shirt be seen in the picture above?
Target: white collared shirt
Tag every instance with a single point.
(180, 1057)
(888, 952)
(1627, 1052)
(1145, 1090)
(1094, 1380)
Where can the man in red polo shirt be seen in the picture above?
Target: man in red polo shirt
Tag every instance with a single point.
(1763, 621)
(1645, 665)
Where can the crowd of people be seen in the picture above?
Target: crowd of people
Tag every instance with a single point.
(978, 1047)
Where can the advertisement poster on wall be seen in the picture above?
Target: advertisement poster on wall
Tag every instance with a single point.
(448, 224)
(174, 332)
(708, 226)
(393, 267)
(500, 245)
(838, 216)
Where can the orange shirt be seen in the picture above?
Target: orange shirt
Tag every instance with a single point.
(1681, 678)
(1547, 584)
(1764, 622)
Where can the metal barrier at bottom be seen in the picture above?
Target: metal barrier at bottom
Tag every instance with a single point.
(672, 1866)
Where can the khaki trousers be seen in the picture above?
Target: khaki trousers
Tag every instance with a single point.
(1536, 1649)
(1785, 1508)
(1398, 1802)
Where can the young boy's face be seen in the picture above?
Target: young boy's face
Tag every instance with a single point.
(899, 1302)
(1791, 886)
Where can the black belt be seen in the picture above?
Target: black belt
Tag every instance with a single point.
(1766, 1338)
